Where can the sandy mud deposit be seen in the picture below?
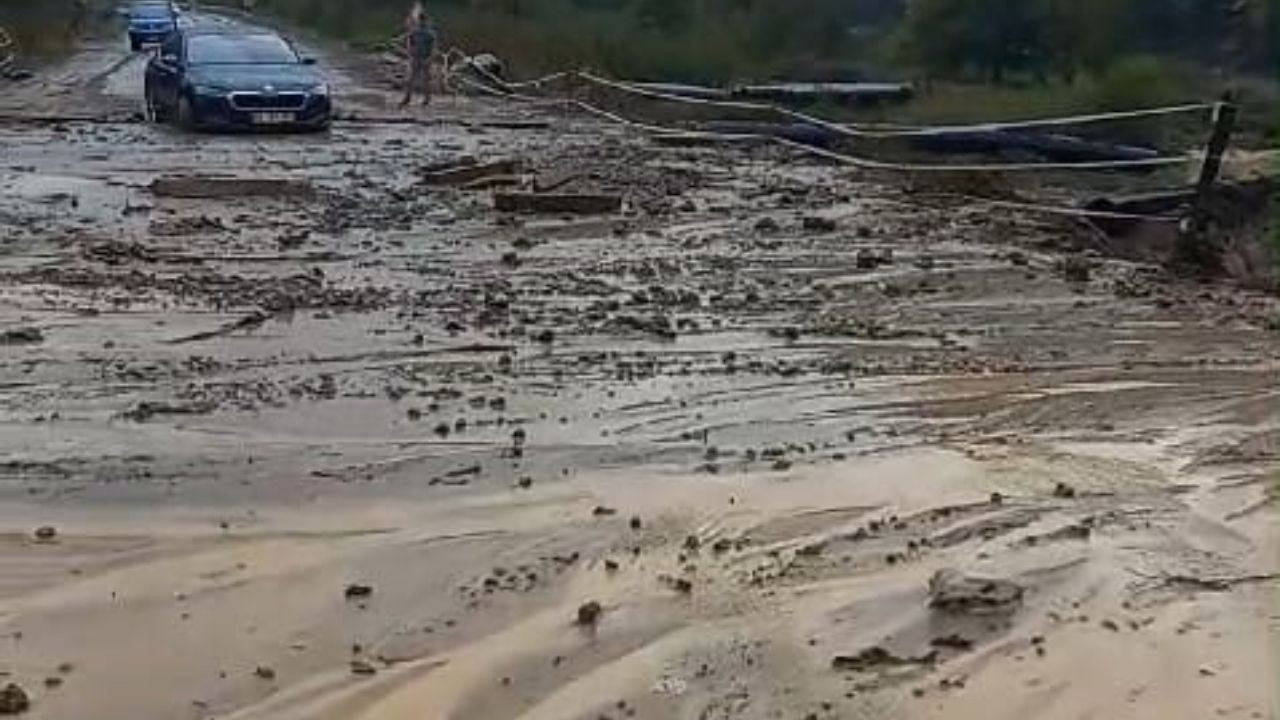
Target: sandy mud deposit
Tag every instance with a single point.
(775, 441)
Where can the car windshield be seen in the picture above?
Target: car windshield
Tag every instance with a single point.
(239, 50)
(151, 12)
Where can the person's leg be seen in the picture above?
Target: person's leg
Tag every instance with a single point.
(427, 68)
(415, 73)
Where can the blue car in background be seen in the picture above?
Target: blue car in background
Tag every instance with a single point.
(150, 23)
(235, 79)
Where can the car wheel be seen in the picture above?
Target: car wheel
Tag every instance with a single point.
(186, 114)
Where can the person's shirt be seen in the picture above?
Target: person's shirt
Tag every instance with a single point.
(422, 40)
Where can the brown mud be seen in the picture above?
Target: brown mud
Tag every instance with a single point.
(815, 448)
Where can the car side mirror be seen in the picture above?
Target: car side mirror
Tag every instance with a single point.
(308, 61)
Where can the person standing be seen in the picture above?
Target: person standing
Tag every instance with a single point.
(420, 42)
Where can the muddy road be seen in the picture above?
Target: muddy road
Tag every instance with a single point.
(313, 438)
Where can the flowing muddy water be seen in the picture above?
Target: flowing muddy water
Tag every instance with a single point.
(373, 449)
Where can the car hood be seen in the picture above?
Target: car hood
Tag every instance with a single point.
(282, 78)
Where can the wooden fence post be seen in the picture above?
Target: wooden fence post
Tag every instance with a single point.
(1224, 120)
(1196, 249)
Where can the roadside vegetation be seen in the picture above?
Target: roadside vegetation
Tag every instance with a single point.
(969, 59)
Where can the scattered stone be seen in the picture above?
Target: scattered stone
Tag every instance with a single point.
(767, 225)
(1064, 490)
(635, 522)
(954, 641)
(363, 667)
(265, 673)
(951, 591)
(589, 613)
(46, 533)
(357, 591)
(53, 682)
(602, 511)
(13, 700)
(611, 565)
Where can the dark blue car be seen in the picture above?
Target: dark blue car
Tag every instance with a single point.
(150, 23)
(235, 79)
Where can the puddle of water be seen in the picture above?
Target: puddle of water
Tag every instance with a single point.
(62, 195)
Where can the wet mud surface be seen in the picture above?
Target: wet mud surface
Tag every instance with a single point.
(815, 445)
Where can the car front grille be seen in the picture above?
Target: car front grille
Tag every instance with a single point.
(267, 101)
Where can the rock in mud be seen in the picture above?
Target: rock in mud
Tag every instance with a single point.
(1064, 490)
(952, 591)
(363, 667)
(14, 700)
(767, 225)
(356, 591)
(46, 533)
(265, 673)
(589, 613)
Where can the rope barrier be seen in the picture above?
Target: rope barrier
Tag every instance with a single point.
(843, 158)
(972, 201)
(857, 132)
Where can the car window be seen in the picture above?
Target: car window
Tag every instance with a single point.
(238, 50)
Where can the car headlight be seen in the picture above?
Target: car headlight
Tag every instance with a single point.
(321, 89)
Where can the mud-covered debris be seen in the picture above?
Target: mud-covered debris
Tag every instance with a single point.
(363, 667)
(684, 586)
(635, 522)
(877, 658)
(212, 188)
(46, 533)
(1076, 269)
(952, 591)
(567, 203)
(14, 700)
(1064, 490)
(21, 336)
(53, 682)
(953, 641)
(867, 259)
(589, 613)
(767, 225)
(145, 410)
(357, 591)
(603, 511)
(817, 223)
(465, 173)
(265, 673)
